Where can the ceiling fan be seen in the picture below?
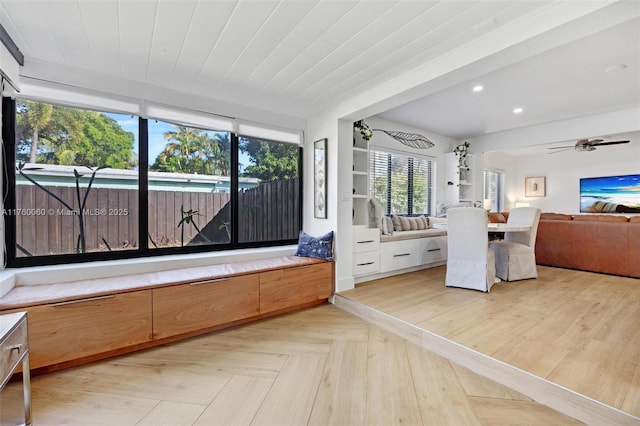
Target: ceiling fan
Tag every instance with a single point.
(586, 145)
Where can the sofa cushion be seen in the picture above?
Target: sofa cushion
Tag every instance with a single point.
(397, 225)
(600, 218)
(555, 216)
(413, 222)
(387, 225)
(425, 221)
(634, 219)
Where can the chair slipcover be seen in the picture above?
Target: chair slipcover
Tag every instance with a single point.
(515, 255)
(470, 261)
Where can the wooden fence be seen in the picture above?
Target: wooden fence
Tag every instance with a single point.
(44, 226)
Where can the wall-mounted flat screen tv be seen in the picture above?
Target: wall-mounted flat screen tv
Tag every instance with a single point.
(610, 194)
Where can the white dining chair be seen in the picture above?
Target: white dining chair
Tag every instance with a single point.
(470, 261)
(515, 255)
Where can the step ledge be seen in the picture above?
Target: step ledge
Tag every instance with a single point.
(543, 391)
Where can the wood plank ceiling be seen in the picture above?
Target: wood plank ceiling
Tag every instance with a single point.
(292, 57)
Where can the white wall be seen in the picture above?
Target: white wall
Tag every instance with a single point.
(337, 175)
(563, 172)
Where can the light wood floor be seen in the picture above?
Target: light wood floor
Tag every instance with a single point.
(320, 366)
(574, 328)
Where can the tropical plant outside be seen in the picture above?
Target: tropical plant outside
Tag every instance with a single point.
(52, 134)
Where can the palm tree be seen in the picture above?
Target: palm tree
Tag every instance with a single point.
(183, 144)
(36, 116)
(222, 162)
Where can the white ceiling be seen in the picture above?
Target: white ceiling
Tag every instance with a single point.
(300, 58)
(293, 57)
(566, 82)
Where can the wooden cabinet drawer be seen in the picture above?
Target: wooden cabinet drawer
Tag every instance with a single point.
(190, 307)
(69, 330)
(366, 263)
(13, 344)
(398, 255)
(294, 286)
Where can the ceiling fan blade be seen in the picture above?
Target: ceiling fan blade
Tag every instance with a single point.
(610, 143)
(561, 149)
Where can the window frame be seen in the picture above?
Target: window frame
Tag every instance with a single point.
(412, 157)
(142, 250)
(500, 190)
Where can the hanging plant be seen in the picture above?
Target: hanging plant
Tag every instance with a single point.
(461, 152)
(364, 129)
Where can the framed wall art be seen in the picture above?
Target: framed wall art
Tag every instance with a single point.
(320, 179)
(535, 186)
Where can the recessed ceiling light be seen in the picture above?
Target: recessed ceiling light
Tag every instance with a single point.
(517, 110)
(615, 68)
(478, 88)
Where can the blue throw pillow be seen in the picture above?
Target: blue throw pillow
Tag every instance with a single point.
(321, 247)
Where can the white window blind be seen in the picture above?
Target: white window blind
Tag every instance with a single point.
(189, 118)
(402, 183)
(259, 131)
(60, 94)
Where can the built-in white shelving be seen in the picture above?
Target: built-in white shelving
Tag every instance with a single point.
(360, 177)
(459, 179)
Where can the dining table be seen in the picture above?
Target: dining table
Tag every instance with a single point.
(506, 227)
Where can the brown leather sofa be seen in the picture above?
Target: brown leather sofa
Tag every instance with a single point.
(608, 244)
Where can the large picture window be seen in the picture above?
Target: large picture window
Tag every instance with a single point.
(189, 186)
(84, 185)
(402, 183)
(268, 190)
(76, 181)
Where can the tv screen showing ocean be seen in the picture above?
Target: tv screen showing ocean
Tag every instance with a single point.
(606, 193)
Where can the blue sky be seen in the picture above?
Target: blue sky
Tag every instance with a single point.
(156, 135)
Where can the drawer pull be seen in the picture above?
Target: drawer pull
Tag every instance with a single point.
(401, 255)
(17, 348)
(365, 264)
(217, 280)
(365, 242)
(434, 249)
(89, 299)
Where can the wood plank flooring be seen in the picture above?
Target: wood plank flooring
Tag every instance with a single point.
(574, 328)
(320, 366)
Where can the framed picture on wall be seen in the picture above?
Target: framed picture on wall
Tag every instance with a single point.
(320, 179)
(535, 186)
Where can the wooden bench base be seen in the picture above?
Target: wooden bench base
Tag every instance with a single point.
(70, 330)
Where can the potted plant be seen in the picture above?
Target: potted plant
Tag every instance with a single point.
(364, 130)
(461, 152)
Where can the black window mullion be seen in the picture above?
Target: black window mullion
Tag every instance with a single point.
(234, 216)
(410, 186)
(389, 162)
(143, 185)
(8, 183)
(300, 185)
